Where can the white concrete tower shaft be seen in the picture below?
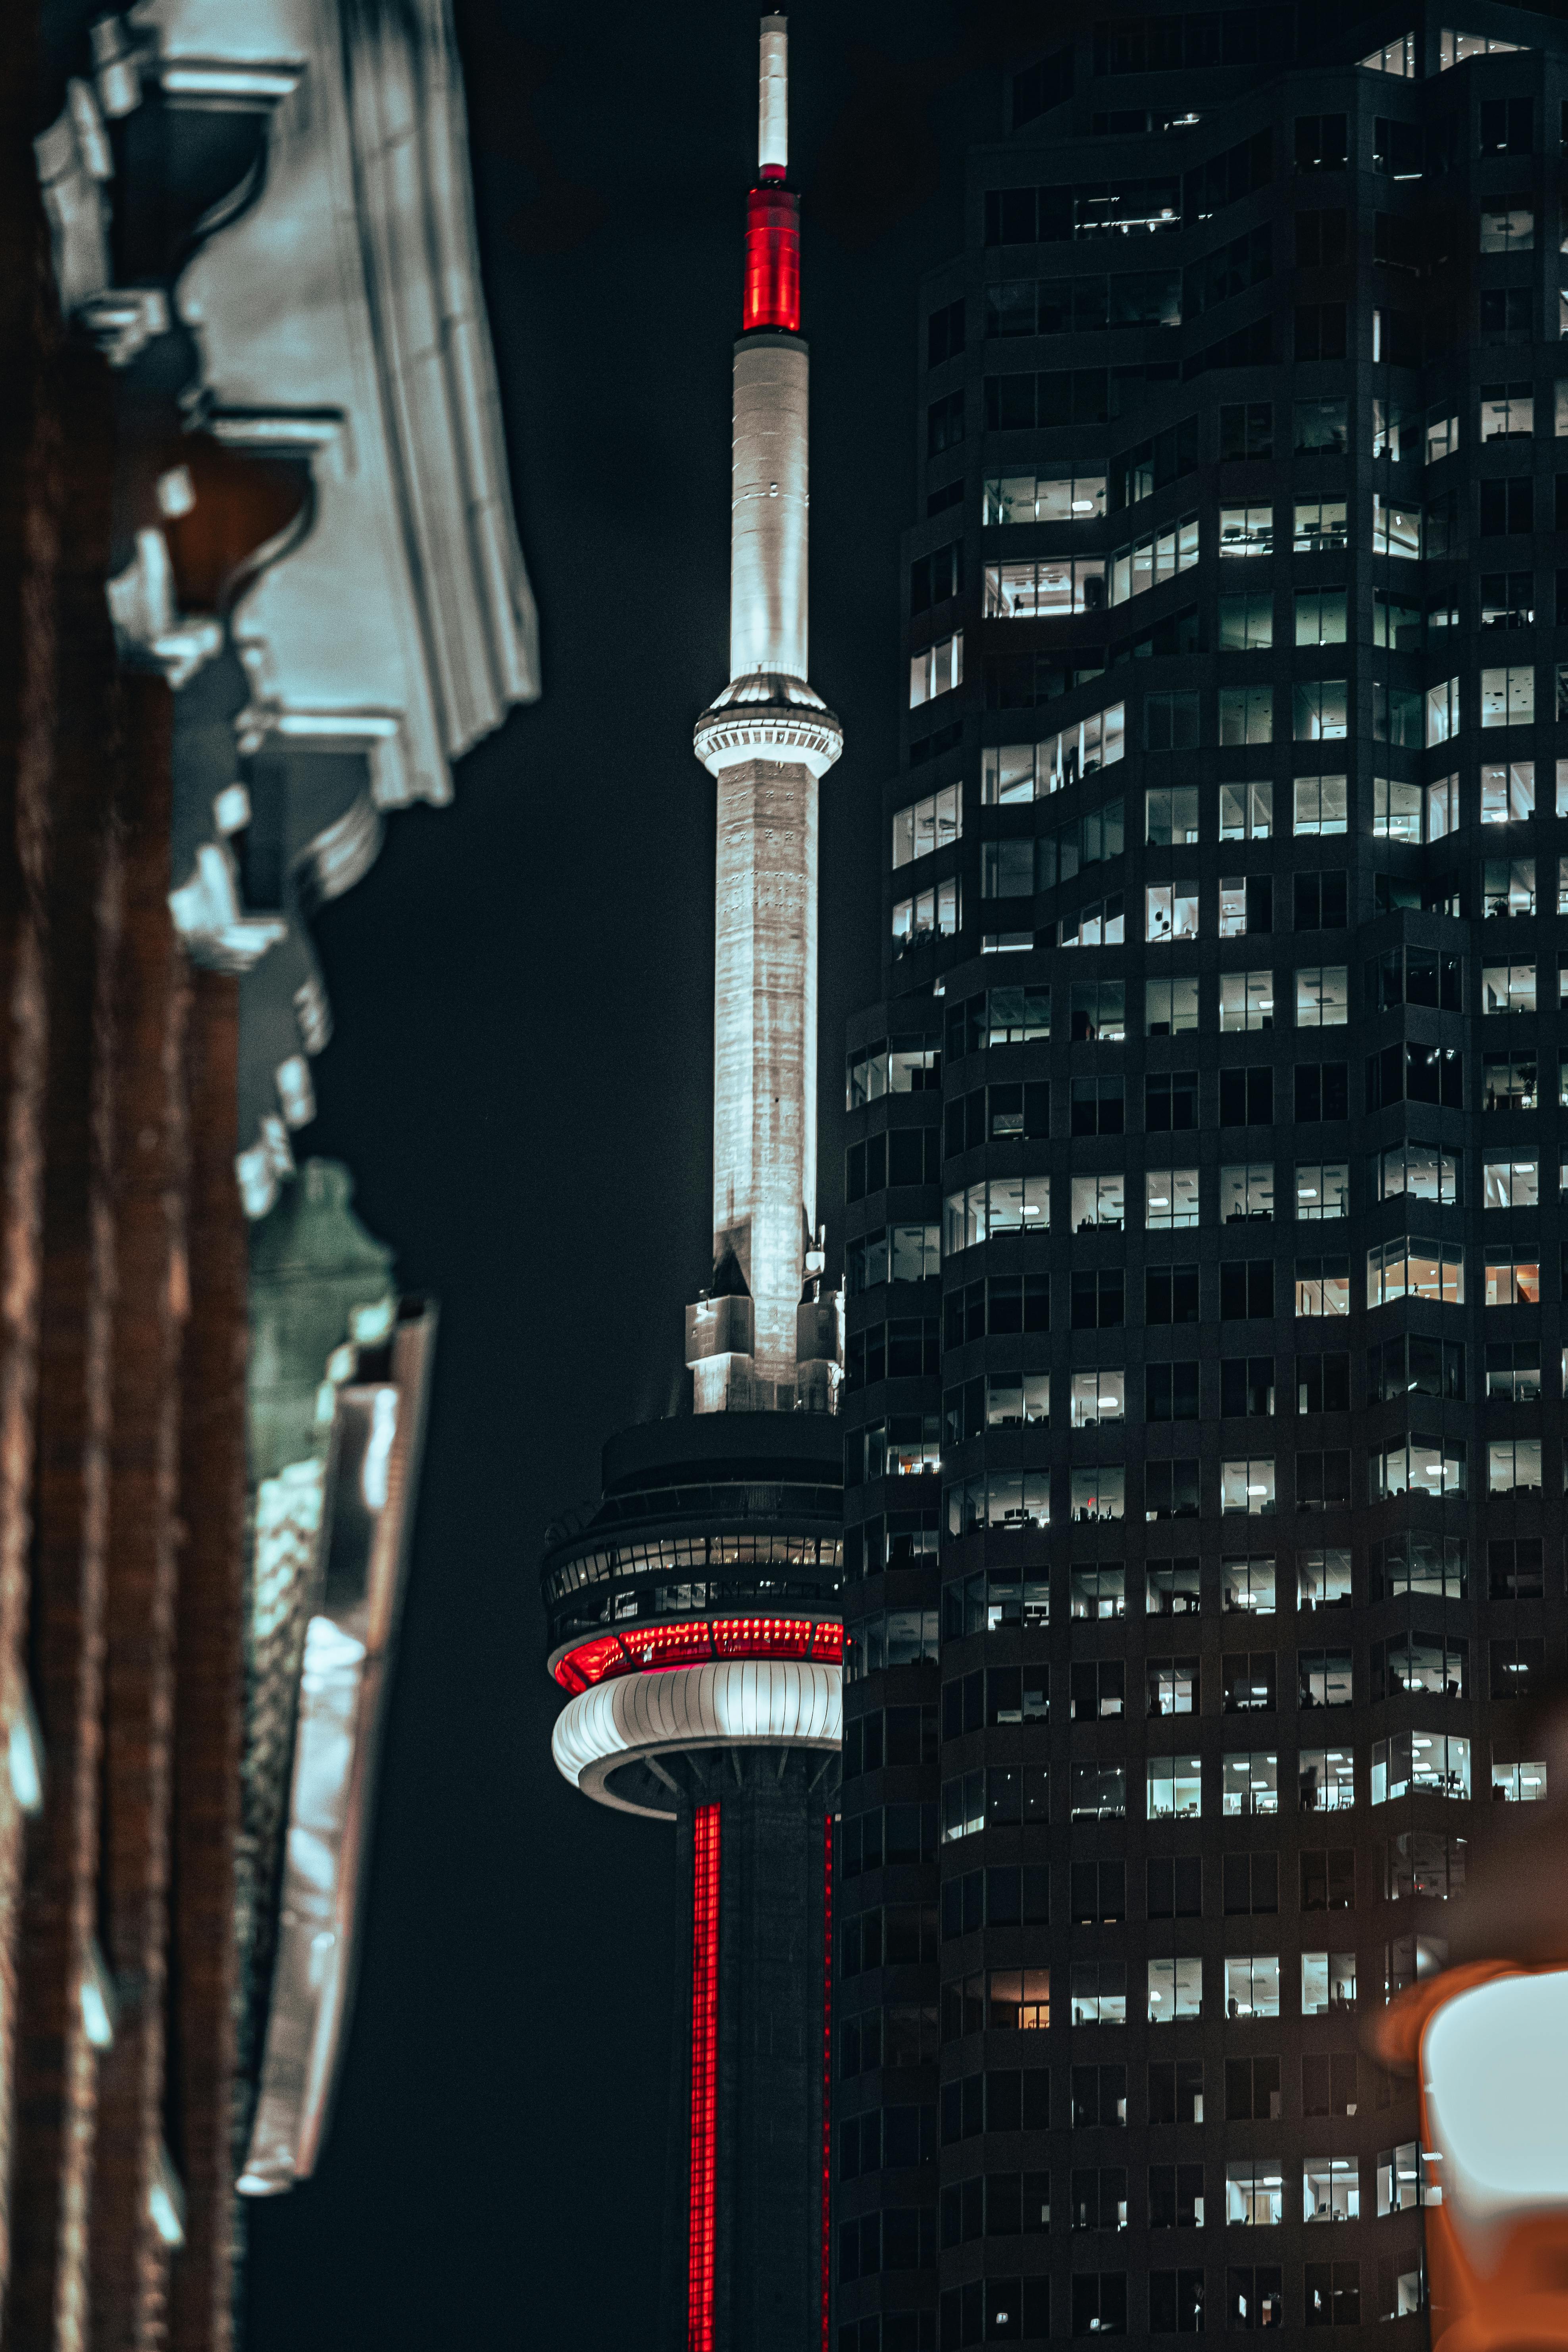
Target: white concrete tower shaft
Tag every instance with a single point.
(767, 740)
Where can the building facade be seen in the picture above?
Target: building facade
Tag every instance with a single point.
(262, 587)
(1204, 1458)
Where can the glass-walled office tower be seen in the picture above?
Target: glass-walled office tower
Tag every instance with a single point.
(1204, 1527)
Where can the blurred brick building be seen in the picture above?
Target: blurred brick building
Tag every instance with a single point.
(211, 1392)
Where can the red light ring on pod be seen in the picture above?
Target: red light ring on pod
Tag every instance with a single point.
(693, 1642)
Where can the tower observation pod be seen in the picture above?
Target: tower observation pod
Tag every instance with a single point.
(695, 1609)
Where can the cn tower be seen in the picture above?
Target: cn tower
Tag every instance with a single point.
(694, 1609)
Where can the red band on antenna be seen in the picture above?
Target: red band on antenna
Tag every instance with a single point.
(773, 259)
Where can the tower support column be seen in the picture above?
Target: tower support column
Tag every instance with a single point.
(759, 2286)
(764, 1040)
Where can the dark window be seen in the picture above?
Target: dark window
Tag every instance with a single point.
(1323, 1384)
(1517, 1667)
(1400, 344)
(1005, 1107)
(1098, 1891)
(914, 1156)
(1099, 1105)
(1413, 1073)
(1019, 1303)
(1320, 902)
(1514, 1568)
(965, 1121)
(1247, 1288)
(1099, 2097)
(1176, 2302)
(1045, 84)
(963, 1315)
(1507, 126)
(1170, 1100)
(1396, 241)
(1098, 2197)
(1410, 1364)
(1171, 721)
(1171, 1490)
(1170, 1392)
(1176, 2090)
(1328, 1878)
(944, 333)
(1320, 330)
(1508, 506)
(1442, 146)
(1320, 238)
(1247, 428)
(1100, 2297)
(1255, 2296)
(1246, 1096)
(1176, 635)
(1152, 464)
(1321, 144)
(1010, 216)
(1099, 1688)
(944, 424)
(913, 1347)
(1246, 1384)
(935, 577)
(1322, 1090)
(1251, 346)
(963, 1705)
(1329, 2084)
(1508, 598)
(866, 1167)
(1171, 1294)
(1333, 2294)
(1225, 178)
(1505, 315)
(1099, 1299)
(911, 1734)
(1247, 260)
(1251, 1883)
(1175, 1886)
(1322, 1480)
(1176, 2196)
(1396, 148)
(1017, 401)
(1252, 2092)
(1415, 976)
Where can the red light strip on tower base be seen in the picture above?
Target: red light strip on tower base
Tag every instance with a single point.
(704, 2077)
(827, 2081)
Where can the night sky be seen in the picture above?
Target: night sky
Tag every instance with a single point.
(521, 1080)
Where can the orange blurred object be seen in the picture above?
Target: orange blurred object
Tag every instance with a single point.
(1490, 2040)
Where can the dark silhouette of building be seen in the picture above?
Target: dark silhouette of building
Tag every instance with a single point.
(1203, 1425)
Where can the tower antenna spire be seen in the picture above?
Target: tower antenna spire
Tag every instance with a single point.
(767, 741)
(771, 298)
(772, 100)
